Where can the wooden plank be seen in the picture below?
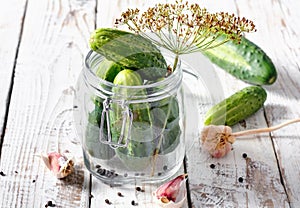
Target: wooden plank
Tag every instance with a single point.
(107, 12)
(220, 186)
(11, 19)
(234, 181)
(279, 37)
(54, 42)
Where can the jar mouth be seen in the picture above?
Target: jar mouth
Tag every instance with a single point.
(158, 88)
(92, 73)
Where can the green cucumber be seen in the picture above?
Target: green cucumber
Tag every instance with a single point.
(246, 61)
(141, 139)
(129, 50)
(91, 143)
(108, 70)
(237, 107)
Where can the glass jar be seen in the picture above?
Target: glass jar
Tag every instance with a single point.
(130, 133)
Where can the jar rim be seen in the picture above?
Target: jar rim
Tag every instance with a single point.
(97, 81)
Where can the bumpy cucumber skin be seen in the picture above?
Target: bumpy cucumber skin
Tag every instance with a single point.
(130, 51)
(246, 61)
(237, 107)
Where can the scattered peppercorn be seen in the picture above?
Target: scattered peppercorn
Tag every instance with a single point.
(98, 166)
(165, 168)
(245, 155)
(212, 166)
(16, 171)
(241, 179)
(2, 174)
(133, 203)
(33, 181)
(50, 204)
(107, 201)
(120, 194)
(138, 188)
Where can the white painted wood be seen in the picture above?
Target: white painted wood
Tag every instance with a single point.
(107, 12)
(11, 18)
(51, 52)
(220, 186)
(279, 34)
(53, 45)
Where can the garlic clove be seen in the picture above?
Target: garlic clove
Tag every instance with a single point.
(217, 140)
(173, 193)
(59, 164)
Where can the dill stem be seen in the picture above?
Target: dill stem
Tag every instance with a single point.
(175, 62)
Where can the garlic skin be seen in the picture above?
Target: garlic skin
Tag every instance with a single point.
(59, 164)
(217, 140)
(172, 194)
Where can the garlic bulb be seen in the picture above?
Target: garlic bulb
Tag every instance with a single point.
(218, 140)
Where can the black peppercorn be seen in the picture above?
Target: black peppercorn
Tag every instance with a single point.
(212, 166)
(133, 203)
(107, 201)
(245, 155)
(241, 179)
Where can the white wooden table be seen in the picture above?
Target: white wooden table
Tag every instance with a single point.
(42, 47)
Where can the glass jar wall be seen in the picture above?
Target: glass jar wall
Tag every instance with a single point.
(130, 133)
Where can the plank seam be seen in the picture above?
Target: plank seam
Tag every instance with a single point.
(10, 90)
(188, 193)
(277, 160)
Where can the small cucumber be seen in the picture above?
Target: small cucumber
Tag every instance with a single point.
(236, 107)
(142, 123)
(130, 51)
(108, 70)
(246, 61)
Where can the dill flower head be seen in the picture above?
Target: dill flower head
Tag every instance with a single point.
(185, 28)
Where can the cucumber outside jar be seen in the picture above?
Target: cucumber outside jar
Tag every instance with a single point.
(131, 129)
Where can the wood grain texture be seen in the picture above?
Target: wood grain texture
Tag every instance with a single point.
(279, 37)
(53, 44)
(235, 181)
(11, 20)
(107, 12)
